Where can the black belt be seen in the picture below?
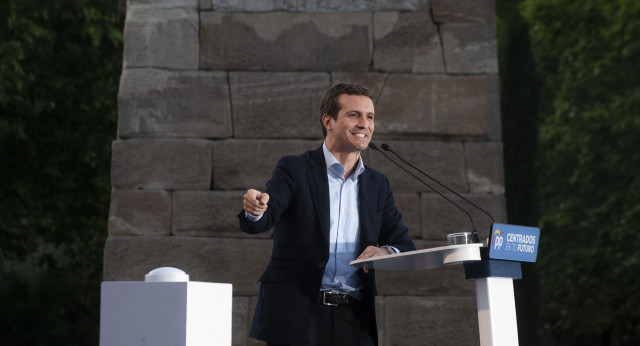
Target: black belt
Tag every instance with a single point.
(337, 299)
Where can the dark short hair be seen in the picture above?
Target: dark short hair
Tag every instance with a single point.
(329, 103)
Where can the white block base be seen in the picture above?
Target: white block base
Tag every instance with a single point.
(165, 313)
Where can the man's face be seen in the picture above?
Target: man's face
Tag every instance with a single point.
(353, 128)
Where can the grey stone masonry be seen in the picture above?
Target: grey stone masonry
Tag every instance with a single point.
(263, 102)
(161, 34)
(407, 42)
(314, 5)
(140, 212)
(412, 104)
(469, 48)
(161, 164)
(285, 41)
(208, 214)
(160, 103)
(474, 11)
(248, 163)
(430, 321)
(214, 92)
(485, 171)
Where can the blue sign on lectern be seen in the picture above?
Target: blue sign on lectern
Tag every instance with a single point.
(514, 243)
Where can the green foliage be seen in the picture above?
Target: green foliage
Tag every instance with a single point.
(59, 67)
(587, 53)
(46, 308)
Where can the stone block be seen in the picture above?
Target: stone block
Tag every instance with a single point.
(224, 260)
(244, 164)
(205, 5)
(371, 80)
(161, 164)
(411, 105)
(494, 127)
(160, 103)
(208, 213)
(441, 217)
(380, 318)
(277, 104)
(485, 167)
(470, 11)
(285, 41)
(161, 34)
(437, 321)
(445, 281)
(443, 161)
(140, 212)
(406, 42)
(318, 5)
(240, 320)
(408, 204)
(469, 48)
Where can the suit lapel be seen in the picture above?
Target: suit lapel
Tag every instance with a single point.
(319, 187)
(367, 200)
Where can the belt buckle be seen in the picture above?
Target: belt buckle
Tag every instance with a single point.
(324, 298)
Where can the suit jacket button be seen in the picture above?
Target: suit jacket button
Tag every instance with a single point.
(321, 265)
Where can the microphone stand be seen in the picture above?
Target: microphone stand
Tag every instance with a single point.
(475, 231)
(386, 147)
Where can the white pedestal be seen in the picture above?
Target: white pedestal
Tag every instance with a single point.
(496, 312)
(165, 314)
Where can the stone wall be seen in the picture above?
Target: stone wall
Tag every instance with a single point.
(213, 92)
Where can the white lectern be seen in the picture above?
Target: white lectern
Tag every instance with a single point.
(494, 284)
(165, 313)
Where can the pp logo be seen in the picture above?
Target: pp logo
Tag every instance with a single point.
(497, 240)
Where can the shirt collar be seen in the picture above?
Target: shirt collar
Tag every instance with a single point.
(335, 168)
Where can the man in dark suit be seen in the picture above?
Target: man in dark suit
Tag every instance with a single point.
(327, 209)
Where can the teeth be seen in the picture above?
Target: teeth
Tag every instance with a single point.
(360, 135)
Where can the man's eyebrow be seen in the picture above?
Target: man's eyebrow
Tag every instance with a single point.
(357, 111)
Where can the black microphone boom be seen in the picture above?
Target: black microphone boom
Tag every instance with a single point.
(386, 147)
(375, 147)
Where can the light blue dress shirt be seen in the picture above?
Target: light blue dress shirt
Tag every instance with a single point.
(344, 229)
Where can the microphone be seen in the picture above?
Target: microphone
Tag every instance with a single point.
(375, 147)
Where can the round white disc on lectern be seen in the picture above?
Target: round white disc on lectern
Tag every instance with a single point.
(166, 274)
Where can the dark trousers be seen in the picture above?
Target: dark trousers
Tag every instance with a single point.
(338, 326)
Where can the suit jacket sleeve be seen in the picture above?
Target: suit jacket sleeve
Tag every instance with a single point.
(280, 189)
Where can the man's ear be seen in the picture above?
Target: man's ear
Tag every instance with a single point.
(327, 121)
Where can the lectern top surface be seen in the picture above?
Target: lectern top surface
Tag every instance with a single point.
(423, 259)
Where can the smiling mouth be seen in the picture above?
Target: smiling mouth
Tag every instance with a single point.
(360, 135)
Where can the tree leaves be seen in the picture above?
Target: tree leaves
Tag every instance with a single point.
(59, 67)
(586, 53)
